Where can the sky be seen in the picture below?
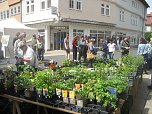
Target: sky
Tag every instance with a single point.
(150, 4)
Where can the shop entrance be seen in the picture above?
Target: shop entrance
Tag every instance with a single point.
(59, 40)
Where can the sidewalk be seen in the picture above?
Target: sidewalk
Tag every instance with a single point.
(142, 103)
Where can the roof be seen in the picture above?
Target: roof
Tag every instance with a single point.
(145, 3)
(149, 19)
(13, 24)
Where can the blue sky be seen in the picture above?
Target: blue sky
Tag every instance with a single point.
(150, 4)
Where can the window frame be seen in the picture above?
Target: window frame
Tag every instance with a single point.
(48, 2)
(41, 5)
(32, 6)
(107, 8)
(27, 6)
(71, 4)
(102, 9)
(78, 4)
(122, 16)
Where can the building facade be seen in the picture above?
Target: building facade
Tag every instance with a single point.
(10, 8)
(149, 22)
(99, 19)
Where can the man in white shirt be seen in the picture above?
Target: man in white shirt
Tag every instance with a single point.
(29, 56)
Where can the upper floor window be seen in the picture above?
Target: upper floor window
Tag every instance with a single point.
(12, 11)
(1, 15)
(48, 3)
(134, 20)
(42, 4)
(32, 5)
(102, 9)
(71, 4)
(122, 16)
(29, 6)
(75, 4)
(78, 4)
(7, 14)
(134, 4)
(19, 9)
(4, 14)
(105, 9)
(15, 11)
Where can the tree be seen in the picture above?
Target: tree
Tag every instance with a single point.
(148, 35)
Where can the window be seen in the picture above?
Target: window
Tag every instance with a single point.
(15, 11)
(32, 5)
(4, 15)
(7, 14)
(1, 15)
(102, 9)
(11, 11)
(134, 4)
(75, 4)
(105, 9)
(78, 32)
(48, 3)
(42, 4)
(27, 7)
(122, 16)
(78, 4)
(71, 4)
(134, 20)
(19, 9)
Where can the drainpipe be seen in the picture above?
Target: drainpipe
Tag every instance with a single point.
(143, 26)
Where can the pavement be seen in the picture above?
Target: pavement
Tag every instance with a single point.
(142, 103)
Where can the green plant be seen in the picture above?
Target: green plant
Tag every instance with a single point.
(24, 81)
(148, 35)
(67, 63)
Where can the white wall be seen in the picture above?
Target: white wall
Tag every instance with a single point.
(38, 14)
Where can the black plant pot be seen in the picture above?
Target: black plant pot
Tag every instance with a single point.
(10, 90)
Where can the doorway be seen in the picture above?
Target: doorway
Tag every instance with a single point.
(59, 40)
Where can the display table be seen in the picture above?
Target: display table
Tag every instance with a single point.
(16, 102)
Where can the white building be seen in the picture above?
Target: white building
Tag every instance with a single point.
(96, 18)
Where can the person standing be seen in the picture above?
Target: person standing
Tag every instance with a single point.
(33, 42)
(143, 49)
(81, 47)
(16, 38)
(111, 49)
(91, 50)
(29, 57)
(75, 45)
(125, 46)
(17, 50)
(104, 50)
(66, 46)
(40, 48)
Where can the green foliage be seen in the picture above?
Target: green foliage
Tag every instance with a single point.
(148, 35)
(24, 80)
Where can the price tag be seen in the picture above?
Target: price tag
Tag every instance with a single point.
(58, 92)
(72, 94)
(64, 93)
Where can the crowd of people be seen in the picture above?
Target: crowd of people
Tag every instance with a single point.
(28, 54)
(85, 44)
